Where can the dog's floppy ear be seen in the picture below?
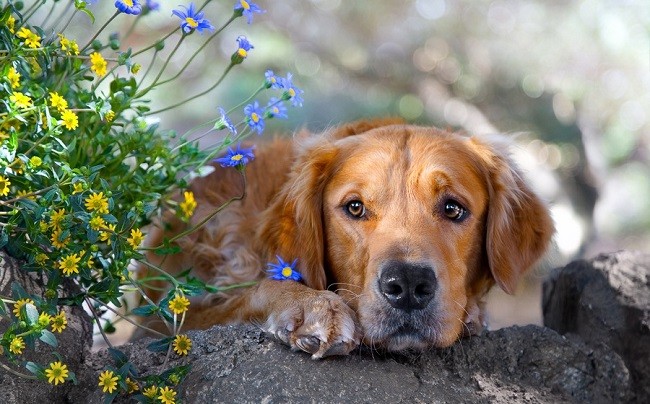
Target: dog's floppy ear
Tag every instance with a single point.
(292, 227)
(519, 227)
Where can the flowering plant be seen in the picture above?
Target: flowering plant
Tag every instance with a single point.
(83, 171)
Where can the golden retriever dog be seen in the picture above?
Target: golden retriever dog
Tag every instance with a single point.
(398, 232)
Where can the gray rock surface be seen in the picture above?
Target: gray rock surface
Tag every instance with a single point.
(239, 364)
(606, 301)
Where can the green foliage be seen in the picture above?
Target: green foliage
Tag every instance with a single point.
(82, 171)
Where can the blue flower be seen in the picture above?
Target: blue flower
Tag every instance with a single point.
(291, 92)
(244, 46)
(271, 80)
(224, 122)
(191, 20)
(238, 157)
(283, 271)
(255, 117)
(129, 6)
(247, 9)
(276, 109)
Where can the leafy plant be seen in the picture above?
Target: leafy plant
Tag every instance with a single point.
(83, 171)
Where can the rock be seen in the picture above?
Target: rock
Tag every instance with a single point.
(606, 301)
(74, 343)
(519, 364)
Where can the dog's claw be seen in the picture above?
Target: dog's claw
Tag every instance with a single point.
(309, 344)
(323, 326)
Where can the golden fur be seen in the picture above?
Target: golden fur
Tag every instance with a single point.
(297, 205)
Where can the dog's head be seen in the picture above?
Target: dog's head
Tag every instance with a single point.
(411, 225)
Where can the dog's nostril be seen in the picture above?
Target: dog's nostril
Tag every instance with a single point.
(407, 286)
(393, 289)
(423, 290)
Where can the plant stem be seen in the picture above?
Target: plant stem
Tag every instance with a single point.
(97, 319)
(129, 320)
(178, 104)
(162, 69)
(10, 370)
(182, 69)
(99, 31)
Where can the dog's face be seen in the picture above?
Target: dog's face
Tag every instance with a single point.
(411, 226)
(404, 229)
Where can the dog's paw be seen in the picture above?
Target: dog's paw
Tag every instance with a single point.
(318, 322)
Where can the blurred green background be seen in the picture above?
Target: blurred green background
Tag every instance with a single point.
(569, 80)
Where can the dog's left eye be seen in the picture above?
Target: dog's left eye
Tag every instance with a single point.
(356, 209)
(454, 210)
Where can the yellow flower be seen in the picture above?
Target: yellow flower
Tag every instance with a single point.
(21, 100)
(110, 115)
(14, 77)
(56, 218)
(167, 395)
(4, 186)
(19, 304)
(106, 235)
(55, 239)
(179, 304)
(90, 263)
(69, 46)
(11, 23)
(188, 205)
(44, 319)
(26, 194)
(182, 344)
(35, 161)
(131, 386)
(17, 345)
(41, 258)
(31, 39)
(43, 226)
(68, 264)
(108, 381)
(78, 187)
(136, 68)
(150, 392)
(58, 102)
(98, 64)
(174, 379)
(56, 373)
(97, 202)
(136, 238)
(97, 223)
(70, 120)
(59, 322)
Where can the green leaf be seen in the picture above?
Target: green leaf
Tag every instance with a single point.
(49, 338)
(35, 368)
(160, 345)
(118, 356)
(145, 311)
(31, 313)
(109, 328)
(73, 377)
(17, 291)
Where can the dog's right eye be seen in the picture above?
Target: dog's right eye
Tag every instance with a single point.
(356, 209)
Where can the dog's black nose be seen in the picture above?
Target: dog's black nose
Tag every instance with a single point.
(407, 286)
